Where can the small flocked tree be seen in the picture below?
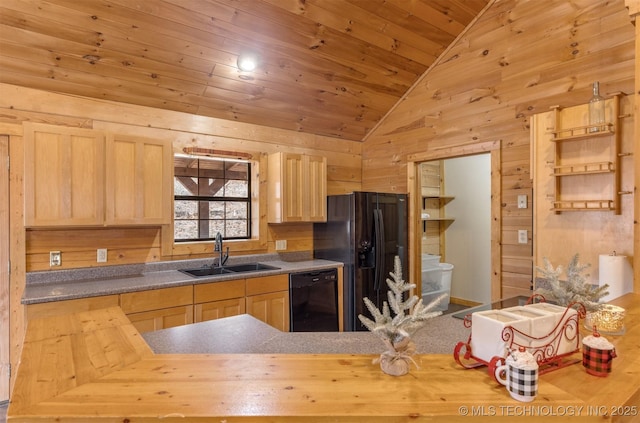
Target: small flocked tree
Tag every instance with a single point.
(395, 331)
(574, 289)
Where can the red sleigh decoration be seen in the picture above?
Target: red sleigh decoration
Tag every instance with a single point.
(544, 349)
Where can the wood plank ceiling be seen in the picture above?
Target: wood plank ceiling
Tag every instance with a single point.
(328, 67)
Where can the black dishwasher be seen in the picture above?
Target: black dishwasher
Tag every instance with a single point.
(313, 298)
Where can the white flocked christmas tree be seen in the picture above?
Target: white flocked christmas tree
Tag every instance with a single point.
(574, 289)
(396, 330)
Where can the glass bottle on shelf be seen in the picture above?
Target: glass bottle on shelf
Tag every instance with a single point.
(596, 109)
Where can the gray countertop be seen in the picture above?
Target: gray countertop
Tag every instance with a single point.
(90, 282)
(246, 334)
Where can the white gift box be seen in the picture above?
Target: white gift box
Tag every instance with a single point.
(560, 320)
(486, 332)
(541, 323)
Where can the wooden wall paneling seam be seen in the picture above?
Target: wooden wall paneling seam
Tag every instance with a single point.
(5, 294)
(17, 271)
(636, 158)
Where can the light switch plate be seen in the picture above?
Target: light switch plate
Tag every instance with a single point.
(281, 244)
(55, 258)
(522, 201)
(522, 236)
(101, 256)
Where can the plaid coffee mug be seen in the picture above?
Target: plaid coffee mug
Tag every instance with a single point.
(597, 361)
(522, 384)
(520, 375)
(597, 354)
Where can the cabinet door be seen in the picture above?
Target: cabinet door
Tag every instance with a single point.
(315, 187)
(285, 188)
(272, 309)
(218, 299)
(64, 176)
(138, 184)
(161, 319)
(218, 309)
(297, 186)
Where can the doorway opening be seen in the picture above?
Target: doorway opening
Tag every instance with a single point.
(467, 239)
(489, 264)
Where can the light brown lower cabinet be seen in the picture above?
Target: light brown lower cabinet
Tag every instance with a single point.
(268, 300)
(218, 309)
(265, 298)
(218, 299)
(164, 318)
(159, 308)
(272, 308)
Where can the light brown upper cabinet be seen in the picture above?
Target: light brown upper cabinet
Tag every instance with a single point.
(138, 183)
(84, 177)
(64, 176)
(297, 188)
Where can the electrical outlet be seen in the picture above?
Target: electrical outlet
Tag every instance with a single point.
(522, 236)
(522, 201)
(281, 244)
(55, 258)
(101, 255)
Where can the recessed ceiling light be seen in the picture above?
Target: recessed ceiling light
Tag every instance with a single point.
(247, 62)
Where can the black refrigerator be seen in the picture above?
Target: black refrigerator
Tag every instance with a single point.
(365, 231)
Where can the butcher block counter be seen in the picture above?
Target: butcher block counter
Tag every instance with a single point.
(95, 366)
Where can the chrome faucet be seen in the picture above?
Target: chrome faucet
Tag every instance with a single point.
(223, 257)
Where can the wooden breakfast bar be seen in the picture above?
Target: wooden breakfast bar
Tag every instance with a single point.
(95, 366)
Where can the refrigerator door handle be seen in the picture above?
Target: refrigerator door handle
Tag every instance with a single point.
(381, 252)
(379, 237)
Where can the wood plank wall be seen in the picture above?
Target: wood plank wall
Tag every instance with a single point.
(135, 245)
(519, 58)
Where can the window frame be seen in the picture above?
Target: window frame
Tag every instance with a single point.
(259, 231)
(197, 198)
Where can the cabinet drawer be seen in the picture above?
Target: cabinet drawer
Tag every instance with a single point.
(217, 291)
(161, 319)
(70, 306)
(134, 302)
(218, 309)
(266, 284)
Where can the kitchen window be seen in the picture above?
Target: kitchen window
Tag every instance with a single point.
(211, 196)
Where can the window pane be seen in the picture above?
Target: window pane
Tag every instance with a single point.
(211, 187)
(185, 166)
(185, 229)
(211, 169)
(236, 228)
(216, 226)
(184, 185)
(236, 189)
(210, 182)
(238, 170)
(236, 210)
(185, 209)
(216, 210)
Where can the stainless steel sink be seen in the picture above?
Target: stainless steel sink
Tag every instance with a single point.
(250, 267)
(206, 271)
(226, 270)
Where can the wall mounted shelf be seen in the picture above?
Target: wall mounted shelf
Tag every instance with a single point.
(587, 162)
(433, 204)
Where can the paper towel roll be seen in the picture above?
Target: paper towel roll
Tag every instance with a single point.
(615, 271)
